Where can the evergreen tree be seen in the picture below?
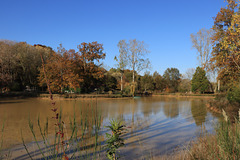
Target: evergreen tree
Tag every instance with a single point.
(200, 82)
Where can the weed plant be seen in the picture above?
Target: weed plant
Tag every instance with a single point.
(114, 140)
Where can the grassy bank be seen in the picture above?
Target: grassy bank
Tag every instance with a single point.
(69, 96)
(221, 102)
(20, 95)
(184, 95)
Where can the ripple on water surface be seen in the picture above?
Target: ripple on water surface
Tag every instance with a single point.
(157, 124)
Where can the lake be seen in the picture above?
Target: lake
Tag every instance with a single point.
(155, 125)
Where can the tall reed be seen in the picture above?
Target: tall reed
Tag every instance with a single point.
(1, 141)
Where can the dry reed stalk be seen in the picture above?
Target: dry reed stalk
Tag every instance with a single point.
(59, 124)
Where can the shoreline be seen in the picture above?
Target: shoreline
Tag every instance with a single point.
(23, 95)
(189, 96)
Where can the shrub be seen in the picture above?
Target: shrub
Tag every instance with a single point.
(127, 90)
(234, 94)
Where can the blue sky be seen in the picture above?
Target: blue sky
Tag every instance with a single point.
(165, 26)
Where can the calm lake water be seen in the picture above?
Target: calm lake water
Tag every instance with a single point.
(155, 124)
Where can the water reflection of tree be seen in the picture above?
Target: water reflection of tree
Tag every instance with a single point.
(171, 110)
(199, 112)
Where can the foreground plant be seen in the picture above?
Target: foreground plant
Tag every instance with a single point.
(114, 141)
(224, 145)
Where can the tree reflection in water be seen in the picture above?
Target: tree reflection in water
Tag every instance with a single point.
(199, 111)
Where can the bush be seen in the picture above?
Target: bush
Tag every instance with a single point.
(127, 90)
(78, 90)
(15, 86)
(234, 94)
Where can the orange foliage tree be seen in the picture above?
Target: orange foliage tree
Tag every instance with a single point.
(72, 70)
(226, 49)
(89, 65)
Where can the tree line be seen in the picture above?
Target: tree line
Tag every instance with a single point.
(82, 71)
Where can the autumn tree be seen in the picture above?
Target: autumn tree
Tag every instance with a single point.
(70, 69)
(19, 63)
(172, 77)
(225, 55)
(135, 52)
(6, 65)
(90, 55)
(60, 70)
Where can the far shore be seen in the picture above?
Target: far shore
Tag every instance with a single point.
(186, 95)
(22, 95)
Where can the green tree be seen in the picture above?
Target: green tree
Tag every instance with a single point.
(184, 86)
(159, 82)
(200, 82)
(172, 77)
(110, 82)
(147, 82)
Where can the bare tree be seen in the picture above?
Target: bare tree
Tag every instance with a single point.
(189, 73)
(201, 41)
(121, 59)
(135, 53)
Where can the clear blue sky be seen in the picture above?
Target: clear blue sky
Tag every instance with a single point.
(164, 25)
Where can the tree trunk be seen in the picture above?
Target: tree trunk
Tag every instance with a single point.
(218, 85)
(121, 82)
(133, 80)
